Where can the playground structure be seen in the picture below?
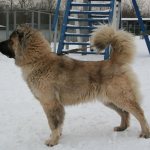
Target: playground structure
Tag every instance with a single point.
(82, 16)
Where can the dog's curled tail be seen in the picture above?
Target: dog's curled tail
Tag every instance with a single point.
(122, 43)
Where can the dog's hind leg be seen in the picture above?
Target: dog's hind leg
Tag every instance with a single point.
(55, 115)
(124, 117)
(134, 108)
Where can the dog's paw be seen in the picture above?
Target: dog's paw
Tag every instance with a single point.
(119, 129)
(51, 142)
(145, 135)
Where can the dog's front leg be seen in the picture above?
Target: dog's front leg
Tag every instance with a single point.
(55, 115)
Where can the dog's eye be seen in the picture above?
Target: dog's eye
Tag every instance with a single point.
(21, 35)
(17, 32)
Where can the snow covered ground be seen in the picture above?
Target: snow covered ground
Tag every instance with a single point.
(23, 125)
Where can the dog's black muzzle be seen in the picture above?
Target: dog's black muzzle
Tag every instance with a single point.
(6, 50)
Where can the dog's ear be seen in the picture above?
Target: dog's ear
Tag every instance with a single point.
(20, 34)
(22, 39)
(23, 32)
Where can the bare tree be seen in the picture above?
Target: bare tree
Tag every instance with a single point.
(147, 10)
(25, 4)
(7, 3)
(63, 4)
(41, 5)
(10, 4)
(129, 11)
(51, 4)
(46, 4)
(142, 6)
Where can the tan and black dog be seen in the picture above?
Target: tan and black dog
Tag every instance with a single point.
(57, 81)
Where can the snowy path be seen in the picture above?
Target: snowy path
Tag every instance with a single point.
(23, 125)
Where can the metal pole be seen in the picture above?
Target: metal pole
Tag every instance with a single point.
(39, 20)
(134, 27)
(55, 37)
(50, 26)
(63, 29)
(114, 21)
(7, 24)
(119, 15)
(56, 15)
(11, 4)
(14, 19)
(32, 19)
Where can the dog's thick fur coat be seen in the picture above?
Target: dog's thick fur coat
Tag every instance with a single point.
(57, 81)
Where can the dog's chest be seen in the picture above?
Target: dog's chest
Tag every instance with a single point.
(26, 76)
(25, 73)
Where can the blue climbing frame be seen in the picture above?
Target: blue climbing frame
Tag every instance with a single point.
(111, 4)
(93, 17)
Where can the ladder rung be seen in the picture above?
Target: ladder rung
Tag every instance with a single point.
(87, 19)
(76, 34)
(81, 27)
(76, 43)
(91, 5)
(99, 16)
(100, 0)
(89, 12)
(83, 52)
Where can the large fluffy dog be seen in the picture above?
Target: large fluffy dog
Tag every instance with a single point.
(57, 81)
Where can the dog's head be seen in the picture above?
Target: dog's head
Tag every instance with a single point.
(17, 41)
(25, 42)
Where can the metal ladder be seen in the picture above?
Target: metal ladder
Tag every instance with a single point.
(80, 18)
(143, 29)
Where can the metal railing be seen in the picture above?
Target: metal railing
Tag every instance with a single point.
(36, 19)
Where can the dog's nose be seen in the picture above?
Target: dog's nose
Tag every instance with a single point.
(6, 50)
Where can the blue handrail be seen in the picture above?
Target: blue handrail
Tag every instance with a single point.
(111, 11)
(65, 19)
(138, 14)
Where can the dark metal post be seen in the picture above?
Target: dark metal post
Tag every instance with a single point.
(15, 19)
(50, 25)
(39, 20)
(56, 15)
(7, 24)
(32, 21)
